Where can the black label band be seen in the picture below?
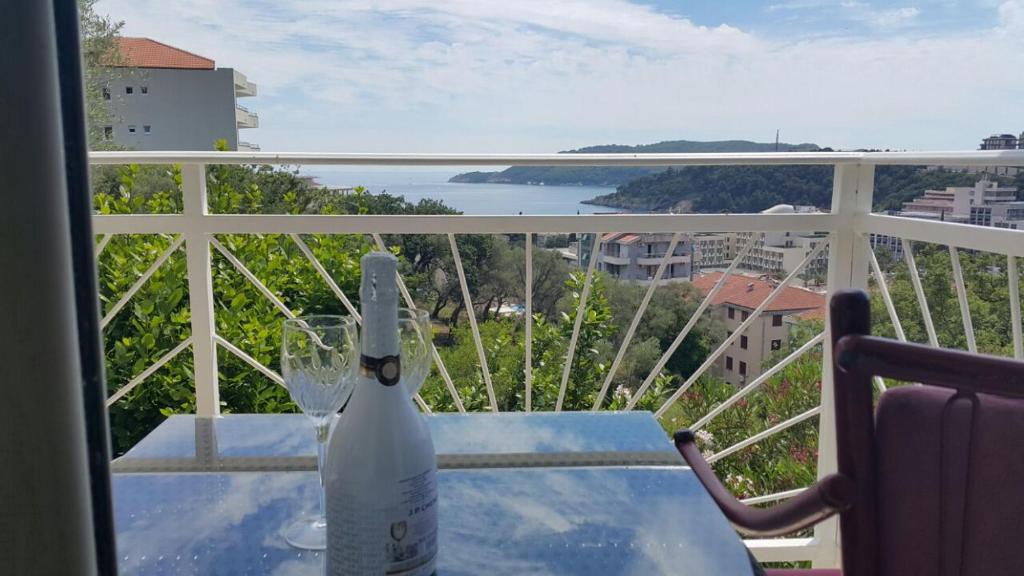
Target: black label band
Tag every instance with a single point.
(387, 370)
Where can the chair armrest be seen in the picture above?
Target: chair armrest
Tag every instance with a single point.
(831, 494)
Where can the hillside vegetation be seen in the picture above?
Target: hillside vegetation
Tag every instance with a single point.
(711, 189)
(614, 175)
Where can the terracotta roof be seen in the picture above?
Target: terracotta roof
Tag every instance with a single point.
(620, 237)
(147, 53)
(748, 292)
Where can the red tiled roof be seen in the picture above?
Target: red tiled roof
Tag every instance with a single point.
(749, 292)
(620, 237)
(147, 53)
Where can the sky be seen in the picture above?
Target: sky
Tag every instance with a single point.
(548, 75)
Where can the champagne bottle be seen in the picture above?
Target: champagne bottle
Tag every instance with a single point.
(381, 477)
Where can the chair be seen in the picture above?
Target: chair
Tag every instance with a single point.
(929, 483)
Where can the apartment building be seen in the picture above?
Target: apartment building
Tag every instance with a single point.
(779, 253)
(165, 98)
(712, 250)
(1003, 142)
(630, 256)
(736, 301)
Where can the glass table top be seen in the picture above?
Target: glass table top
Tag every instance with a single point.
(255, 442)
(578, 520)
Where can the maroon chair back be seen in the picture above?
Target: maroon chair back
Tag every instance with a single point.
(938, 468)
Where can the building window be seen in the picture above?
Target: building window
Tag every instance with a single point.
(776, 344)
(129, 90)
(144, 89)
(147, 129)
(131, 129)
(106, 93)
(732, 313)
(728, 362)
(108, 132)
(745, 315)
(743, 368)
(777, 320)
(743, 342)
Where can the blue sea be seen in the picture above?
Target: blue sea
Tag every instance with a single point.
(476, 199)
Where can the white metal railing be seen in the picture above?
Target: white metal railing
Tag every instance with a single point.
(850, 261)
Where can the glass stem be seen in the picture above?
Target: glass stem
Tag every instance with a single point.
(322, 431)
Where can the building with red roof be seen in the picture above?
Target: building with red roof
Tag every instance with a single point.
(162, 97)
(737, 298)
(635, 256)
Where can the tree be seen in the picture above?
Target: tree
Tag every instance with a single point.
(99, 52)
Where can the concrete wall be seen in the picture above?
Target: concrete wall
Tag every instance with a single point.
(185, 109)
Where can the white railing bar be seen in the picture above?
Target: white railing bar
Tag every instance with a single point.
(528, 364)
(581, 310)
(786, 494)
(961, 296)
(765, 433)
(922, 300)
(423, 405)
(252, 278)
(444, 224)
(785, 549)
(741, 328)
(883, 287)
(142, 280)
(1015, 321)
(742, 392)
(102, 244)
(627, 339)
(148, 371)
(690, 324)
(880, 384)
(249, 360)
(441, 368)
(959, 158)
(694, 318)
(327, 277)
(967, 236)
(471, 312)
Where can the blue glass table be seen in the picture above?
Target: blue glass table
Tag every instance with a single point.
(497, 516)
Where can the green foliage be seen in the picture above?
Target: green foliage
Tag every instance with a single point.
(98, 35)
(710, 189)
(157, 318)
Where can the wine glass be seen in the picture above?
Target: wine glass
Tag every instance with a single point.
(319, 357)
(415, 333)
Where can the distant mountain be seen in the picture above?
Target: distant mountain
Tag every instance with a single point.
(712, 189)
(616, 176)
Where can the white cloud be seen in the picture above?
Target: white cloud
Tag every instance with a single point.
(893, 17)
(539, 75)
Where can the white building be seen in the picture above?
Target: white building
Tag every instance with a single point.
(629, 256)
(779, 253)
(165, 98)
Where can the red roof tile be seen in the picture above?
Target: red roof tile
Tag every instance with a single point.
(147, 53)
(749, 292)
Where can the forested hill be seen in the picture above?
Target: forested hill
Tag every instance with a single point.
(615, 176)
(711, 189)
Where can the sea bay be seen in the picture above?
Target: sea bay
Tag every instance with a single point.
(473, 199)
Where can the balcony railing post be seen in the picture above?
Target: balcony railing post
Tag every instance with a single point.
(200, 290)
(852, 190)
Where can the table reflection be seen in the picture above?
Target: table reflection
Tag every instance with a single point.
(616, 520)
(266, 442)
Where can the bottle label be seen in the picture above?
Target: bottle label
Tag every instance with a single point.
(374, 537)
